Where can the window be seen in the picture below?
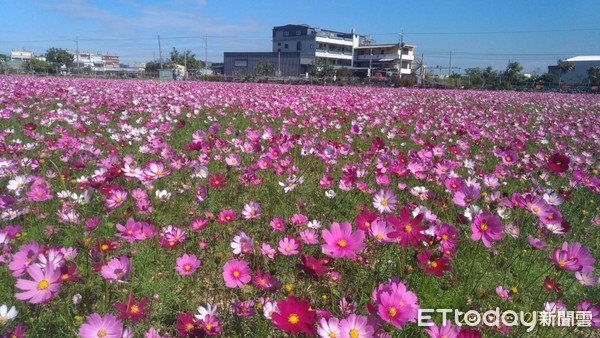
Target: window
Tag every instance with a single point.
(279, 44)
(286, 33)
(285, 46)
(240, 63)
(298, 32)
(299, 46)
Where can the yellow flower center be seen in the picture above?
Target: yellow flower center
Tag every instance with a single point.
(384, 203)
(408, 228)
(293, 318)
(561, 263)
(367, 224)
(236, 274)
(332, 335)
(353, 333)
(187, 267)
(102, 333)
(392, 312)
(434, 264)
(104, 247)
(43, 284)
(189, 327)
(483, 226)
(445, 237)
(208, 327)
(341, 243)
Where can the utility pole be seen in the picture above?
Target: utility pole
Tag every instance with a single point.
(160, 52)
(77, 51)
(422, 70)
(401, 45)
(185, 65)
(205, 55)
(450, 65)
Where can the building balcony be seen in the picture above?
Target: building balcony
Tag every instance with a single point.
(386, 57)
(333, 54)
(334, 41)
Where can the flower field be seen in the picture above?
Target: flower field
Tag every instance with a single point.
(165, 209)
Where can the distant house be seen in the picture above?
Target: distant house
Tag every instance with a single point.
(579, 73)
(396, 58)
(21, 55)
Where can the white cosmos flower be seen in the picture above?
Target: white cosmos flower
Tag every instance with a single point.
(6, 314)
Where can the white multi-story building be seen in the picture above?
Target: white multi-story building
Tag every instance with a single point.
(342, 49)
(396, 58)
(315, 44)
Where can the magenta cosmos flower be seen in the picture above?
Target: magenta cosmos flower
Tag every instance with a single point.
(342, 242)
(486, 228)
(42, 288)
(407, 230)
(187, 264)
(236, 273)
(95, 326)
(294, 316)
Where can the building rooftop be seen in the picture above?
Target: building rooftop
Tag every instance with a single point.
(584, 58)
(389, 45)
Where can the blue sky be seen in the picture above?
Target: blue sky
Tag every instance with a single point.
(478, 33)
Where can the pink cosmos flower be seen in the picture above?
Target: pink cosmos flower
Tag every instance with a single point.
(115, 199)
(44, 286)
(341, 241)
(23, 258)
(309, 237)
(236, 273)
(385, 201)
(267, 251)
(380, 231)
(486, 228)
(155, 170)
(39, 191)
(251, 210)
(355, 326)
(328, 327)
(510, 157)
(116, 269)
(447, 330)
(573, 257)
(537, 243)
(241, 244)
(130, 231)
(187, 264)
(107, 326)
(278, 224)
(299, 219)
(289, 246)
(233, 160)
(503, 293)
(394, 303)
(170, 237)
(226, 216)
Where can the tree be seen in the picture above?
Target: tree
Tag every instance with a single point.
(60, 57)
(4, 58)
(37, 65)
(152, 66)
(186, 58)
(321, 69)
(512, 74)
(475, 77)
(265, 69)
(564, 67)
(594, 75)
(547, 79)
